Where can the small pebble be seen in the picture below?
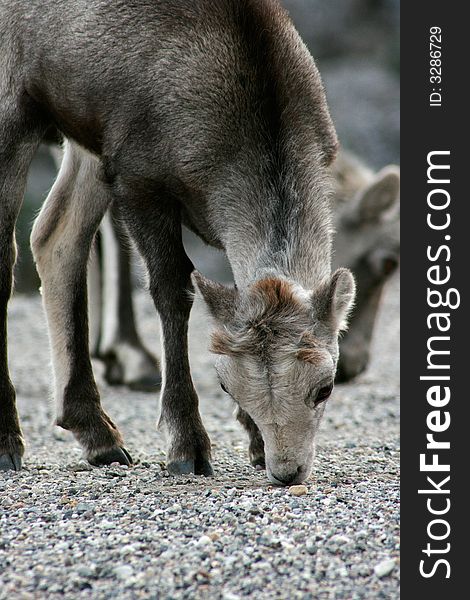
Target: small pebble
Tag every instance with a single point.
(123, 571)
(339, 539)
(298, 490)
(80, 466)
(384, 568)
(204, 540)
(311, 547)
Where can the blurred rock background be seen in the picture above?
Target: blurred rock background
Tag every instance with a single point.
(356, 46)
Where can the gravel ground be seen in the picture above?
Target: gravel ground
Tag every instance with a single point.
(67, 529)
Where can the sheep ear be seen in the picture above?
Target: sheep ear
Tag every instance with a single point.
(221, 300)
(334, 302)
(380, 195)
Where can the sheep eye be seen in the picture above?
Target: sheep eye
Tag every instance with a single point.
(224, 389)
(323, 393)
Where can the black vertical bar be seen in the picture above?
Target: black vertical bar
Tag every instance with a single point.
(429, 127)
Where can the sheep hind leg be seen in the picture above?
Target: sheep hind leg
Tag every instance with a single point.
(61, 241)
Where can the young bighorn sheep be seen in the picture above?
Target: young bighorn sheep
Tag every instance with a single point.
(208, 113)
(367, 241)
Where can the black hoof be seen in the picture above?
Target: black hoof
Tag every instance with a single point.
(146, 384)
(259, 463)
(181, 467)
(187, 467)
(347, 373)
(128, 456)
(10, 462)
(257, 456)
(119, 455)
(204, 467)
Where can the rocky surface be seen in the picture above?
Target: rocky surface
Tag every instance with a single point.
(67, 529)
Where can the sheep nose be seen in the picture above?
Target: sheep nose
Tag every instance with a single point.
(288, 478)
